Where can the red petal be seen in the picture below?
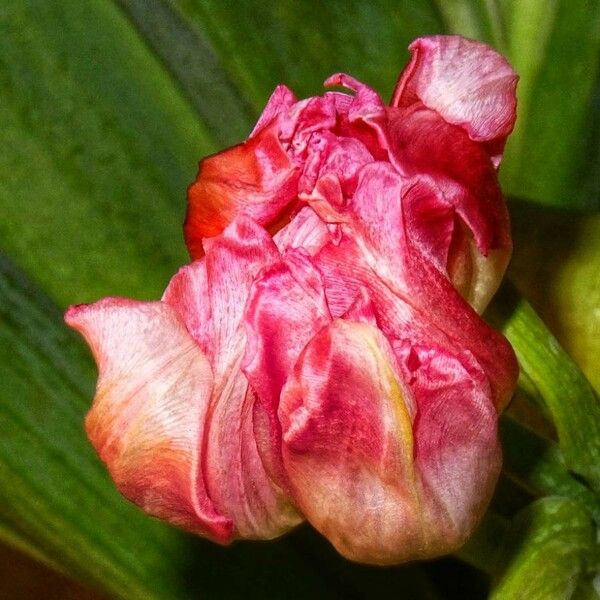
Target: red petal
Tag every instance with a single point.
(147, 421)
(256, 179)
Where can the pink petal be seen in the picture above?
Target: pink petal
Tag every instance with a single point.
(255, 179)
(412, 298)
(286, 308)
(423, 143)
(362, 116)
(282, 100)
(388, 472)
(348, 446)
(306, 230)
(147, 421)
(234, 470)
(466, 82)
(187, 293)
(457, 454)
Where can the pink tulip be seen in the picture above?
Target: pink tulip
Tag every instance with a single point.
(323, 358)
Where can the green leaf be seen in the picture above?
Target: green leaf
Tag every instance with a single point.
(561, 386)
(263, 44)
(556, 266)
(99, 148)
(555, 47)
(105, 112)
(195, 67)
(551, 546)
(538, 465)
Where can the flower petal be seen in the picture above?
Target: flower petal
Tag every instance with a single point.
(377, 252)
(187, 293)
(348, 445)
(147, 421)
(282, 100)
(464, 198)
(286, 308)
(306, 230)
(256, 179)
(234, 470)
(466, 82)
(457, 453)
(388, 471)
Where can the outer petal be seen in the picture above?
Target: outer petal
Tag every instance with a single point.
(466, 82)
(256, 179)
(348, 446)
(147, 421)
(457, 454)
(462, 224)
(388, 472)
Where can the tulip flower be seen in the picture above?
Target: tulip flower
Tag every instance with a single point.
(322, 358)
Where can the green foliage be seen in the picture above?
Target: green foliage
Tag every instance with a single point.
(560, 386)
(549, 549)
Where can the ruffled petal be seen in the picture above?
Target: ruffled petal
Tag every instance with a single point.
(256, 179)
(306, 230)
(467, 83)
(361, 116)
(281, 101)
(464, 183)
(148, 418)
(377, 252)
(285, 310)
(348, 446)
(235, 473)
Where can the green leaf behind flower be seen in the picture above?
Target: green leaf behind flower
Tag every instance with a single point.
(550, 550)
(557, 381)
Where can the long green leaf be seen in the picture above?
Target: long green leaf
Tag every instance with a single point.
(262, 44)
(555, 46)
(98, 148)
(551, 547)
(563, 388)
(195, 67)
(100, 123)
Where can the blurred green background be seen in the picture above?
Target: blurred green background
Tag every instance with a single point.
(106, 107)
